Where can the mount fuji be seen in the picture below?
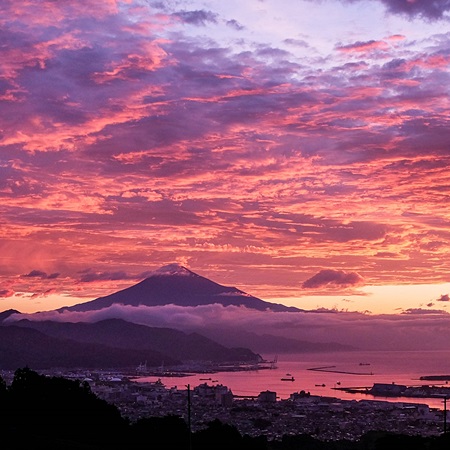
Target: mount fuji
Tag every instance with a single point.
(110, 331)
(175, 284)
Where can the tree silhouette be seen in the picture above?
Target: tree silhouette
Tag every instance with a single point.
(169, 432)
(55, 407)
(218, 436)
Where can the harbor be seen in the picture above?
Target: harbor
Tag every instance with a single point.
(338, 370)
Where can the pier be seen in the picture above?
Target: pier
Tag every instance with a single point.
(332, 369)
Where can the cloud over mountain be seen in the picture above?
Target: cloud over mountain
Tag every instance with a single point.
(412, 330)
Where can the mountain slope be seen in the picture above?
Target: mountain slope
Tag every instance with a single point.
(120, 334)
(5, 314)
(174, 284)
(20, 347)
(271, 344)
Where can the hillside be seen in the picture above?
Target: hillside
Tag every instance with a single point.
(20, 347)
(119, 334)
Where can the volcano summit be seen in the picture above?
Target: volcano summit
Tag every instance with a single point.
(174, 284)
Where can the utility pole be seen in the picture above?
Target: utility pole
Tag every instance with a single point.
(445, 415)
(189, 415)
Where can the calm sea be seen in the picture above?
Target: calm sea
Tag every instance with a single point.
(366, 369)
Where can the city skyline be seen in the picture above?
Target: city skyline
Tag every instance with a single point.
(296, 150)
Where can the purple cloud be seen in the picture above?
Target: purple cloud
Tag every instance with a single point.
(332, 277)
(41, 275)
(421, 311)
(89, 276)
(234, 24)
(198, 17)
(444, 298)
(296, 42)
(4, 293)
(428, 9)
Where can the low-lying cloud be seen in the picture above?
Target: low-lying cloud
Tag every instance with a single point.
(409, 331)
(420, 311)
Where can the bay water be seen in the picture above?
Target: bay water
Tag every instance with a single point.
(341, 369)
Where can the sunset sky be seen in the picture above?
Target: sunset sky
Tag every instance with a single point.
(296, 149)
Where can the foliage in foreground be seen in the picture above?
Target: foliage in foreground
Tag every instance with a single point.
(56, 413)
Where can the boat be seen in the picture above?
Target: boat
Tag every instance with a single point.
(288, 379)
(364, 364)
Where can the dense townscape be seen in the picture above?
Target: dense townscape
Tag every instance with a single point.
(326, 418)
(87, 410)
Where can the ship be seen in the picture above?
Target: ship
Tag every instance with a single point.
(291, 378)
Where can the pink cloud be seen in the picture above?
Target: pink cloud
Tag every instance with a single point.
(45, 293)
(157, 144)
(364, 46)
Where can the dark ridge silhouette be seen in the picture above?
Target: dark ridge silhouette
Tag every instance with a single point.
(120, 334)
(177, 285)
(5, 314)
(20, 346)
(269, 343)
